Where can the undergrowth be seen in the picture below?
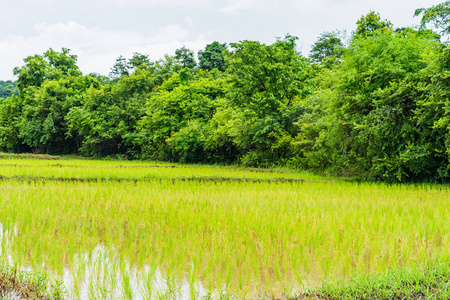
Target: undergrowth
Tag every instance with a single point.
(430, 281)
(15, 284)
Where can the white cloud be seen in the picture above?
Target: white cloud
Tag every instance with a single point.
(323, 6)
(160, 2)
(189, 22)
(229, 20)
(348, 9)
(126, 2)
(235, 6)
(38, 1)
(96, 48)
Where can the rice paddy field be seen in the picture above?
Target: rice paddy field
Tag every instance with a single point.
(145, 230)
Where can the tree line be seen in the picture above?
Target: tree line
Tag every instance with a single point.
(376, 106)
(8, 88)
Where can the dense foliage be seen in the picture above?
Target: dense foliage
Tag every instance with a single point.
(375, 106)
(8, 88)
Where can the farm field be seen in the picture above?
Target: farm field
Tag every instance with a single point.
(142, 230)
(119, 170)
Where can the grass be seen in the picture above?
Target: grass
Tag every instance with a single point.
(429, 281)
(16, 284)
(113, 170)
(163, 237)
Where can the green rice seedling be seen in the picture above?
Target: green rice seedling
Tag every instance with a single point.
(147, 279)
(127, 287)
(251, 238)
(114, 170)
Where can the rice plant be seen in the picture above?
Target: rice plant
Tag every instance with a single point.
(165, 238)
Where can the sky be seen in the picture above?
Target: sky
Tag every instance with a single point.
(99, 31)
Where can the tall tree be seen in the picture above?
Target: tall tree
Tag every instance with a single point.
(106, 120)
(186, 57)
(10, 114)
(52, 65)
(120, 68)
(125, 67)
(267, 81)
(212, 57)
(437, 15)
(371, 22)
(328, 45)
(42, 124)
(138, 60)
(375, 103)
(8, 88)
(177, 117)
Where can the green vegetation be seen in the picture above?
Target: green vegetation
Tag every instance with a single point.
(116, 170)
(257, 223)
(247, 237)
(428, 281)
(374, 105)
(8, 88)
(16, 284)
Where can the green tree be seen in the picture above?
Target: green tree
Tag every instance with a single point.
(101, 78)
(437, 15)
(175, 125)
(164, 68)
(267, 82)
(52, 65)
(8, 88)
(370, 23)
(433, 112)
(212, 57)
(10, 113)
(124, 67)
(42, 123)
(120, 68)
(328, 46)
(105, 122)
(186, 57)
(139, 60)
(373, 103)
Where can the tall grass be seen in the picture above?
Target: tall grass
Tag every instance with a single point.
(131, 170)
(260, 238)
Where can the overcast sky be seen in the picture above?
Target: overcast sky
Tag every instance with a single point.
(98, 31)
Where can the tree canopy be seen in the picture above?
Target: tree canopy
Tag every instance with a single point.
(51, 65)
(212, 57)
(370, 23)
(329, 46)
(437, 15)
(8, 88)
(376, 107)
